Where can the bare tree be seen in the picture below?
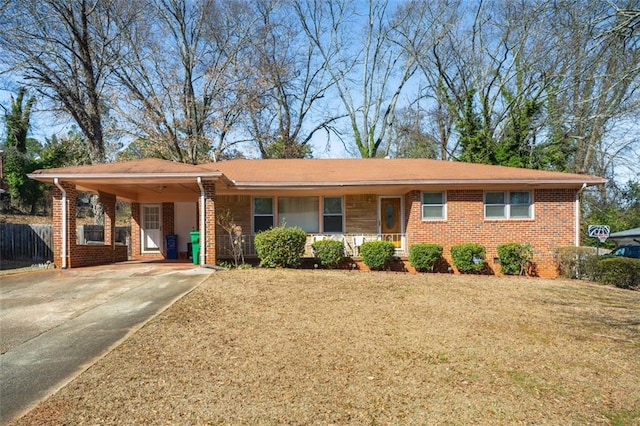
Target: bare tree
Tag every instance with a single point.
(410, 135)
(290, 80)
(426, 26)
(367, 65)
(179, 76)
(595, 78)
(60, 49)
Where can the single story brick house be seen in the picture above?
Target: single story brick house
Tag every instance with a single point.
(406, 201)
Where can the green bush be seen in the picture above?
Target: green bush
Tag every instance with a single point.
(281, 247)
(515, 258)
(377, 254)
(623, 272)
(469, 258)
(328, 253)
(423, 257)
(576, 262)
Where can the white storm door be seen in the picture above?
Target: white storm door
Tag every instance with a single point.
(151, 229)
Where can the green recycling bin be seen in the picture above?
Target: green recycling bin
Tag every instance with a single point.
(195, 246)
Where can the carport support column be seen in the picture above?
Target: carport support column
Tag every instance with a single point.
(208, 232)
(64, 228)
(109, 203)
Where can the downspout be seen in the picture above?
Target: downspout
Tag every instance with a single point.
(203, 238)
(64, 222)
(577, 215)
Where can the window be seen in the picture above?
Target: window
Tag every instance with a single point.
(262, 214)
(433, 206)
(507, 205)
(332, 214)
(520, 204)
(495, 205)
(299, 211)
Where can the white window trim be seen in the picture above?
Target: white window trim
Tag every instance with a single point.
(444, 207)
(507, 206)
(276, 214)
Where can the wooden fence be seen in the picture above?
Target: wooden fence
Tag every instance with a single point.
(26, 242)
(35, 242)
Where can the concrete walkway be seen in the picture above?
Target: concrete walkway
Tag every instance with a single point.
(56, 324)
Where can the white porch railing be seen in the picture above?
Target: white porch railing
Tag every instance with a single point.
(351, 242)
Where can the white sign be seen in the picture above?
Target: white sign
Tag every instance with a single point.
(598, 231)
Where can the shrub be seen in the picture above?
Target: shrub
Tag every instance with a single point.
(423, 257)
(576, 262)
(328, 253)
(623, 272)
(281, 247)
(515, 258)
(469, 258)
(377, 254)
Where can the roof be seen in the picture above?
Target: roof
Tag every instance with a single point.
(372, 171)
(146, 180)
(147, 166)
(156, 179)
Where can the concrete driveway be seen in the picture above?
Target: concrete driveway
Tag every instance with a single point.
(55, 324)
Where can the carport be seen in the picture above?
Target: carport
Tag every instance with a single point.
(160, 192)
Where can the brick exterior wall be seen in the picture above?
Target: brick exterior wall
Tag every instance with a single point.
(90, 255)
(552, 226)
(70, 189)
(210, 222)
(84, 255)
(109, 203)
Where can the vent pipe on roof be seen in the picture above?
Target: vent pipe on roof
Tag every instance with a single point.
(203, 237)
(577, 215)
(64, 222)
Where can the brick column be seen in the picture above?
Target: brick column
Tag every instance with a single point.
(109, 203)
(58, 224)
(168, 223)
(210, 222)
(136, 247)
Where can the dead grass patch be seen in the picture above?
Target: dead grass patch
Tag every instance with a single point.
(328, 347)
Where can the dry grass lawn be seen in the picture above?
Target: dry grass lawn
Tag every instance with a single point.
(330, 347)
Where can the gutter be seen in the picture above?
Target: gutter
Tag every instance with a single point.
(56, 182)
(43, 176)
(577, 215)
(416, 182)
(203, 238)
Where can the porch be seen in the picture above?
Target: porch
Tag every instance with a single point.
(351, 243)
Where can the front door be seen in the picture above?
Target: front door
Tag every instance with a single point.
(151, 229)
(391, 219)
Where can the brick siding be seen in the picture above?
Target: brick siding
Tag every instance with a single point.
(210, 222)
(552, 226)
(84, 255)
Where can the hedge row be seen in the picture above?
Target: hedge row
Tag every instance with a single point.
(584, 263)
(284, 247)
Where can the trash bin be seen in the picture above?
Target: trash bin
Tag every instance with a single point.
(195, 246)
(172, 246)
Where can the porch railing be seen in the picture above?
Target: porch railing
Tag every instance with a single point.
(351, 242)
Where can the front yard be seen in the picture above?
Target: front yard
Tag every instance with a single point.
(332, 347)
